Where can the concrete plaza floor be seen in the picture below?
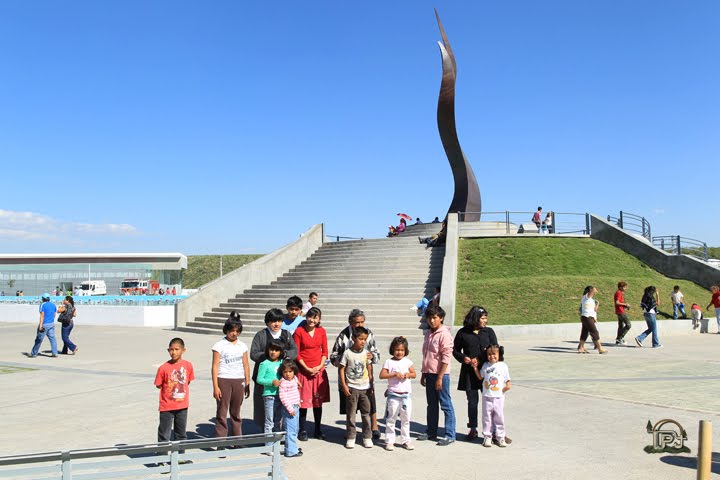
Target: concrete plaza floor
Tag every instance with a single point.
(569, 415)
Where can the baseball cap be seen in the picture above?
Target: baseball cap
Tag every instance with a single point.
(46, 296)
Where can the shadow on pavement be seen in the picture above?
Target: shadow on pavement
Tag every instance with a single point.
(691, 462)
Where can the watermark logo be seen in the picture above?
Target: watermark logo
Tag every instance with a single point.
(668, 437)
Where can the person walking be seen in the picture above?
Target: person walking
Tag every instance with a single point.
(649, 304)
(46, 326)
(67, 319)
(588, 318)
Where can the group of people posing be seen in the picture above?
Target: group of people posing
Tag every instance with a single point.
(291, 356)
(649, 305)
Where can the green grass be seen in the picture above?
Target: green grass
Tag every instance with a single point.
(5, 369)
(206, 268)
(540, 280)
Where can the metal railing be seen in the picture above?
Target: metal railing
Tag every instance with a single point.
(521, 222)
(186, 459)
(632, 223)
(114, 300)
(682, 245)
(338, 237)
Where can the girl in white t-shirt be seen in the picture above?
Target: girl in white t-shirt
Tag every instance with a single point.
(230, 367)
(398, 371)
(495, 376)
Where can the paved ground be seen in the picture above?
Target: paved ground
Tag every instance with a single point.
(568, 415)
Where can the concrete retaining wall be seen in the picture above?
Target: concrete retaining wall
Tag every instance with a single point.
(151, 316)
(260, 272)
(450, 267)
(607, 330)
(674, 266)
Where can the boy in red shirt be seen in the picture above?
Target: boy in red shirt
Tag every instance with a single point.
(621, 308)
(173, 379)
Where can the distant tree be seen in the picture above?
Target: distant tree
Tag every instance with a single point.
(11, 283)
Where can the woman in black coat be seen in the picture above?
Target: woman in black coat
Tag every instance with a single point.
(469, 349)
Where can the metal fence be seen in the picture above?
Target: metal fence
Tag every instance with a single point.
(521, 222)
(632, 223)
(116, 300)
(337, 238)
(245, 457)
(682, 245)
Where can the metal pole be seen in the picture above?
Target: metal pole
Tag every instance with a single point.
(587, 224)
(705, 254)
(221, 272)
(679, 250)
(704, 461)
(620, 220)
(507, 222)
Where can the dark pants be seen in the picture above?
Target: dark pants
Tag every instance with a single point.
(623, 325)
(358, 400)
(233, 390)
(371, 396)
(175, 421)
(473, 398)
(588, 327)
(68, 345)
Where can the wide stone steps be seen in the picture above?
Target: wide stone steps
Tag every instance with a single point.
(382, 277)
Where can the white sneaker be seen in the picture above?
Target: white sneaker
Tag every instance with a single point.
(487, 442)
(389, 447)
(408, 446)
(501, 443)
(350, 443)
(367, 442)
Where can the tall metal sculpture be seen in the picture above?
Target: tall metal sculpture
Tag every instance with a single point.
(467, 192)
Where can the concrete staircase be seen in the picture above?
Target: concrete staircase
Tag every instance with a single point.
(382, 277)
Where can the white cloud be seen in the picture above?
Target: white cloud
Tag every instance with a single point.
(34, 226)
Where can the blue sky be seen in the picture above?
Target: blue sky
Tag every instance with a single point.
(232, 127)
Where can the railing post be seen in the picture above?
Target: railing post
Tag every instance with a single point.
(507, 222)
(174, 463)
(705, 253)
(620, 220)
(277, 466)
(662, 244)
(66, 466)
(704, 461)
(679, 250)
(587, 223)
(552, 223)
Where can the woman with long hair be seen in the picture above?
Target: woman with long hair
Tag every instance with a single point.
(67, 319)
(649, 304)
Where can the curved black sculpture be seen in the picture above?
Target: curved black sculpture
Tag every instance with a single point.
(467, 192)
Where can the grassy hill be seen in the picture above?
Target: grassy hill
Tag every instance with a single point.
(206, 268)
(541, 280)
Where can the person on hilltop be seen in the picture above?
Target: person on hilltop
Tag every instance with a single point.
(46, 326)
(418, 221)
(395, 231)
(436, 220)
(537, 219)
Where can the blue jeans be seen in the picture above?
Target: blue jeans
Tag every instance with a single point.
(651, 321)
(681, 308)
(272, 414)
(67, 343)
(291, 430)
(49, 330)
(442, 398)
